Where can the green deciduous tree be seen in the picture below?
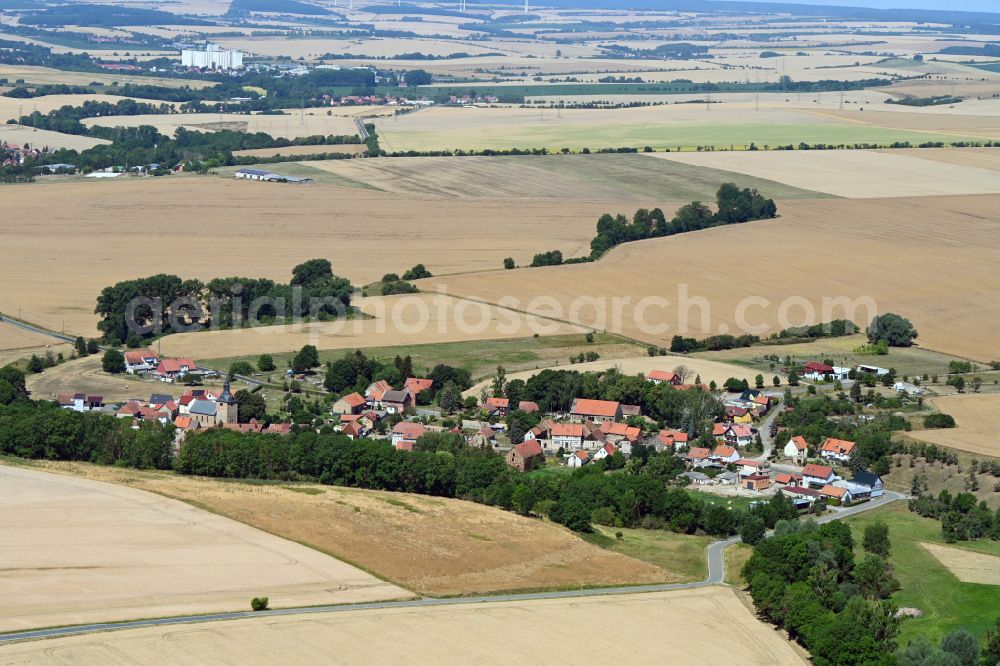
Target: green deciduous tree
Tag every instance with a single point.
(113, 361)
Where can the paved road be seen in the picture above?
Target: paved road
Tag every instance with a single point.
(34, 329)
(716, 576)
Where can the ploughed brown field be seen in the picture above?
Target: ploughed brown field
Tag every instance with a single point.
(430, 545)
(931, 259)
(676, 627)
(72, 239)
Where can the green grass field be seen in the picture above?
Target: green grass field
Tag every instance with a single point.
(576, 136)
(680, 554)
(925, 583)
(481, 358)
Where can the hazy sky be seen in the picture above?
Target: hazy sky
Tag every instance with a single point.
(962, 5)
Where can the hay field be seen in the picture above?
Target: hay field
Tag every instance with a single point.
(79, 551)
(681, 624)
(289, 126)
(853, 173)
(432, 545)
(929, 123)
(42, 75)
(967, 566)
(709, 371)
(977, 417)
(396, 320)
(17, 343)
(54, 273)
(679, 125)
(610, 177)
(290, 151)
(931, 259)
(981, 158)
(9, 106)
(41, 138)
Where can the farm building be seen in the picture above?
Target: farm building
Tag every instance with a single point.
(269, 176)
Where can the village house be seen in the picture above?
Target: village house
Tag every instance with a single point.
(140, 360)
(497, 407)
(869, 483)
(836, 449)
(80, 402)
(801, 493)
(747, 467)
(566, 436)
(816, 371)
(674, 440)
(740, 415)
(697, 478)
(836, 494)
(484, 438)
(797, 449)
(352, 403)
(578, 459)
(725, 454)
(376, 390)
(618, 432)
(525, 456)
(595, 411)
(719, 431)
(739, 435)
(817, 476)
(605, 451)
(353, 430)
(175, 368)
(787, 479)
(664, 377)
(416, 386)
(405, 435)
(397, 402)
(528, 407)
(755, 482)
(697, 455)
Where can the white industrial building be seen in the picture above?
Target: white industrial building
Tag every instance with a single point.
(213, 57)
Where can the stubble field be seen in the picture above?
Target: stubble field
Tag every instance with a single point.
(860, 173)
(225, 227)
(16, 343)
(79, 551)
(967, 566)
(930, 259)
(431, 545)
(292, 125)
(977, 417)
(676, 623)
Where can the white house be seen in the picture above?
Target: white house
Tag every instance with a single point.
(797, 448)
(578, 459)
(867, 484)
(140, 360)
(814, 475)
(725, 454)
(567, 436)
(836, 449)
(79, 402)
(908, 388)
(605, 451)
(872, 370)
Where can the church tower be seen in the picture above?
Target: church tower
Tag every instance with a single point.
(226, 409)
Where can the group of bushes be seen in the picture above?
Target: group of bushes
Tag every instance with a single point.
(962, 517)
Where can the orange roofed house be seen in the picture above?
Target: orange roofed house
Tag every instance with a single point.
(417, 386)
(352, 403)
(595, 411)
(664, 377)
(526, 456)
(836, 449)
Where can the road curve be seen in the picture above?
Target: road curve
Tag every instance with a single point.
(716, 576)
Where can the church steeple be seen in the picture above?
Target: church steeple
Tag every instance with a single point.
(226, 397)
(226, 407)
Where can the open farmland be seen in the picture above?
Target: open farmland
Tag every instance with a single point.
(709, 371)
(967, 566)
(55, 273)
(854, 173)
(660, 127)
(427, 635)
(952, 307)
(16, 343)
(45, 75)
(11, 106)
(20, 135)
(410, 319)
(977, 418)
(288, 126)
(583, 177)
(291, 151)
(980, 158)
(80, 551)
(432, 545)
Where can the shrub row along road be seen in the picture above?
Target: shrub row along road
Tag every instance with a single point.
(716, 576)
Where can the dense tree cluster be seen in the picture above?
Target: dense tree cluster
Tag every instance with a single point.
(805, 579)
(164, 303)
(962, 517)
(892, 329)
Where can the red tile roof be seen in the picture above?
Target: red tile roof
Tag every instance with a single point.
(529, 449)
(697, 453)
(604, 408)
(800, 442)
(498, 403)
(354, 399)
(528, 406)
(787, 477)
(833, 491)
(568, 430)
(416, 385)
(817, 471)
(662, 376)
(723, 451)
(839, 446)
(408, 429)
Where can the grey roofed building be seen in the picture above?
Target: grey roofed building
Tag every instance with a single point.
(694, 476)
(395, 396)
(203, 408)
(160, 398)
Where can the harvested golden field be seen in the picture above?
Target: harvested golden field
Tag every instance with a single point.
(288, 126)
(853, 173)
(977, 417)
(10, 106)
(290, 151)
(78, 551)
(431, 545)
(682, 624)
(967, 566)
(411, 319)
(931, 259)
(54, 272)
(709, 371)
(16, 343)
(984, 127)
(17, 134)
(980, 158)
(612, 177)
(33, 75)
(85, 375)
